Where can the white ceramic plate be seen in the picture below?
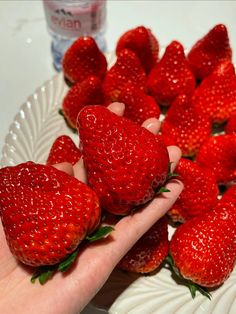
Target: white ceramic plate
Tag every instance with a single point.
(30, 136)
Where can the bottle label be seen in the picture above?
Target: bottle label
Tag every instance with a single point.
(72, 21)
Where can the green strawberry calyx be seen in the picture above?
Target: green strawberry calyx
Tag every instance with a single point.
(44, 273)
(193, 287)
(170, 175)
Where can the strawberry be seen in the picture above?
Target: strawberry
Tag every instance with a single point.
(230, 195)
(126, 164)
(149, 252)
(127, 69)
(88, 92)
(45, 212)
(141, 41)
(199, 194)
(230, 127)
(209, 51)
(138, 105)
(171, 76)
(216, 95)
(82, 59)
(218, 154)
(63, 149)
(204, 248)
(186, 125)
(167, 139)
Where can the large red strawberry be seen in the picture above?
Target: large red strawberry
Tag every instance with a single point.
(186, 125)
(138, 105)
(230, 127)
(45, 212)
(216, 95)
(126, 164)
(204, 248)
(83, 59)
(149, 252)
(141, 41)
(199, 194)
(171, 76)
(88, 92)
(218, 154)
(63, 149)
(127, 69)
(209, 51)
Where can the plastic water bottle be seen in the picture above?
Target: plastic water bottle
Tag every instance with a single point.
(69, 19)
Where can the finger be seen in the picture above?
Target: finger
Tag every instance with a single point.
(174, 156)
(66, 167)
(99, 259)
(152, 124)
(79, 171)
(130, 228)
(134, 226)
(117, 108)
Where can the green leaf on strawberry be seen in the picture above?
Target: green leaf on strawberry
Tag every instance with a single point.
(67, 263)
(162, 190)
(43, 274)
(100, 233)
(171, 174)
(193, 287)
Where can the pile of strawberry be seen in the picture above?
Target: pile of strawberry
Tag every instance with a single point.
(195, 95)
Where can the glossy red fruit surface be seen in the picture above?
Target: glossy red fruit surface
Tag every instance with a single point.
(218, 154)
(209, 51)
(45, 212)
(83, 59)
(143, 43)
(125, 163)
(199, 194)
(216, 95)
(63, 150)
(127, 69)
(87, 92)
(186, 126)
(204, 248)
(171, 76)
(138, 105)
(149, 252)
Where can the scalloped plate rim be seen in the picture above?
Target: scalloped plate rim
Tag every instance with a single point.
(112, 309)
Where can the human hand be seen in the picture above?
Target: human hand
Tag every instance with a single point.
(70, 292)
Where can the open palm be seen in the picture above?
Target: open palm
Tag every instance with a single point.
(70, 292)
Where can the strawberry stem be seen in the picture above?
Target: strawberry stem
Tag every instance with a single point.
(193, 287)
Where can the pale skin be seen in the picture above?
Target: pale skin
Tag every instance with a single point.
(70, 293)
